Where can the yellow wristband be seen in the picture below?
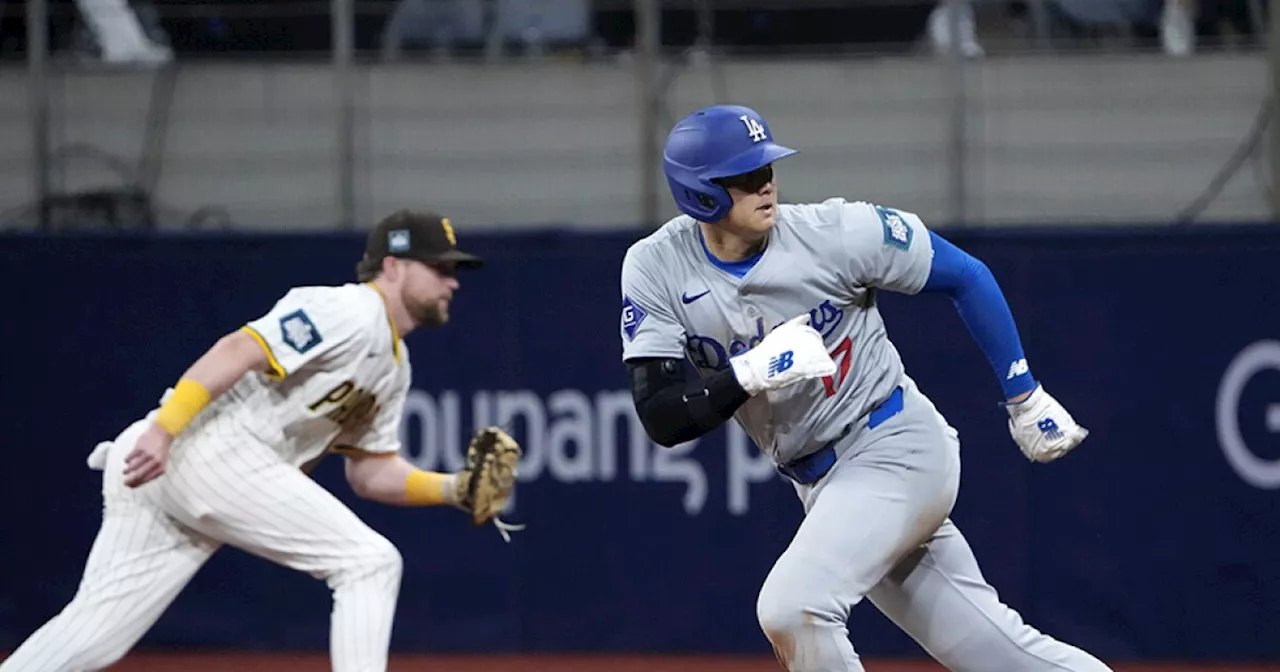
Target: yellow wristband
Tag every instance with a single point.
(188, 399)
(425, 488)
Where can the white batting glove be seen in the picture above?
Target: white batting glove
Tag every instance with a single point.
(792, 352)
(1042, 428)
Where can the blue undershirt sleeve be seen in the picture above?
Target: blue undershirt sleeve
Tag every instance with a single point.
(983, 309)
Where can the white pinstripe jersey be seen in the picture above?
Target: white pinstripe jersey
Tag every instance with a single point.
(337, 378)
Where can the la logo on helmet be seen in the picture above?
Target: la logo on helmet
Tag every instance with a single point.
(754, 129)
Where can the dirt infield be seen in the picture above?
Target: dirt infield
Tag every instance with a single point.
(310, 662)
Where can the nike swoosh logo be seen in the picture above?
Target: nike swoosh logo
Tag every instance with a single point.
(685, 298)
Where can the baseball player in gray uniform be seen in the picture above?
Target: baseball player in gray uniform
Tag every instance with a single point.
(775, 307)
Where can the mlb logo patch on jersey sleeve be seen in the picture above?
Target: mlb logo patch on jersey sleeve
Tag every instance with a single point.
(297, 330)
(897, 232)
(632, 316)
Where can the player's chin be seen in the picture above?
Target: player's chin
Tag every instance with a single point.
(766, 216)
(434, 316)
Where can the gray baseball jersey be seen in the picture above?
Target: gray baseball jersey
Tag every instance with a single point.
(827, 259)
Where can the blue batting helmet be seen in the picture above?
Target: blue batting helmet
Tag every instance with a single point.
(715, 142)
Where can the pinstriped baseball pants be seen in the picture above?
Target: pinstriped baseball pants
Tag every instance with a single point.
(155, 538)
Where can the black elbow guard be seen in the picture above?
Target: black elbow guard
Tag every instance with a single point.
(674, 409)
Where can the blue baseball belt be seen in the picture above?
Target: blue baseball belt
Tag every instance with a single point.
(808, 469)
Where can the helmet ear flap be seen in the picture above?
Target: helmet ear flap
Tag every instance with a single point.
(700, 199)
(707, 206)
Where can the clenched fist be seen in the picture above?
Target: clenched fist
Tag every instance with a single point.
(792, 352)
(1042, 428)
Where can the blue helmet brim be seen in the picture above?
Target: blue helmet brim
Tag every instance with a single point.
(756, 157)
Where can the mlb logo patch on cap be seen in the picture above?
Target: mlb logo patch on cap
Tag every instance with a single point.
(398, 240)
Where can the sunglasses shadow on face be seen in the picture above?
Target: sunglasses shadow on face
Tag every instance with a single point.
(751, 182)
(446, 269)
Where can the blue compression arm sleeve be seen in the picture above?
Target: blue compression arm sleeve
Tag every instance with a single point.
(982, 307)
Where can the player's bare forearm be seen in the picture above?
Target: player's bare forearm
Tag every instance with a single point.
(391, 479)
(211, 375)
(226, 362)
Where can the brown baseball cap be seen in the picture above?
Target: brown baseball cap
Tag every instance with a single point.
(425, 236)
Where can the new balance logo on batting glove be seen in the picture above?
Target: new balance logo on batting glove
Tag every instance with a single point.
(1042, 428)
(792, 352)
(780, 363)
(1049, 427)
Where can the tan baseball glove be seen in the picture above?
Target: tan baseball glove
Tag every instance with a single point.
(486, 482)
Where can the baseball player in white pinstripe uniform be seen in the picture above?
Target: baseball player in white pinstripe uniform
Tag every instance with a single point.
(223, 460)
